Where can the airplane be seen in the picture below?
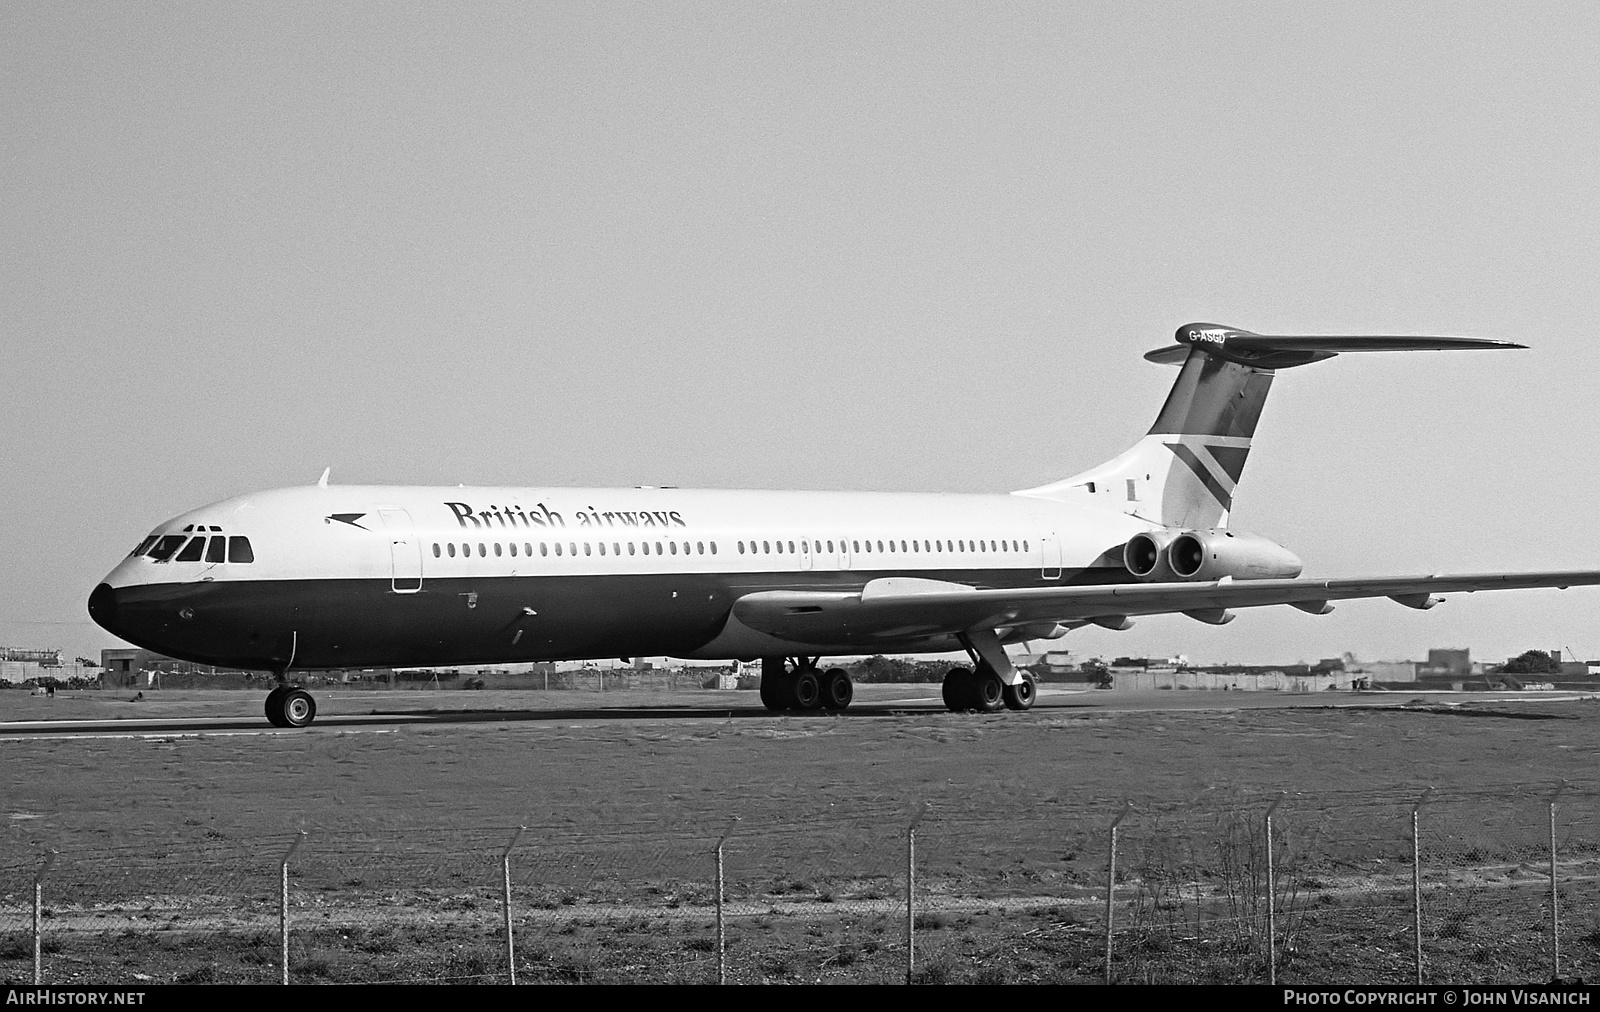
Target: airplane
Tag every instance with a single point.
(330, 576)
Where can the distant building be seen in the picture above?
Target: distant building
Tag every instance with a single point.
(128, 667)
(18, 666)
(1448, 662)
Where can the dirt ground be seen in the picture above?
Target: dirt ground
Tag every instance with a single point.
(169, 839)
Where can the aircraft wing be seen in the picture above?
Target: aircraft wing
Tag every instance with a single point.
(901, 607)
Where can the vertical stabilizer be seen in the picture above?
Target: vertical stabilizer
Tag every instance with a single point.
(1184, 472)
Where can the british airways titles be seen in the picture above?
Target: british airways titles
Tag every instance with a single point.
(543, 516)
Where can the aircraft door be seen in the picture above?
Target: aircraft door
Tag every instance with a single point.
(1049, 548)
(844, 554)
(805, 554)
(405, 551)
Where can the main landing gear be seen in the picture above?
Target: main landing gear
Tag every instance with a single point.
(991, 683)
(797, 684)
(290, 706)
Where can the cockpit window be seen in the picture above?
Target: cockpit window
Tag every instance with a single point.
(216, 550)
(144, 546)
(239, 550)
(191, 551)
(163, 549)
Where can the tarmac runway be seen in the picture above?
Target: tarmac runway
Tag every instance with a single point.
(180, 713)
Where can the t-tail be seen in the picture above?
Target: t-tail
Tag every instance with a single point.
(1183, 474)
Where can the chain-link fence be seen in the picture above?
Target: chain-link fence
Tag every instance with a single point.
(1230, 887)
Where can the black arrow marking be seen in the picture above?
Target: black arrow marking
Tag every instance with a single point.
(348, 518)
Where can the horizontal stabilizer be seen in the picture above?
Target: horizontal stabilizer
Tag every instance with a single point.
(1280, 351)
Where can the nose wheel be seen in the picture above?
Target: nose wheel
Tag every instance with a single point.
(288, 706)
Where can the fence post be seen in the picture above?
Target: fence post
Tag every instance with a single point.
(1555, 909)
(38, 916)
(1111, 881)
(1272, 901)
(722, 938)
(911, 893)
(505, 873)
(283, 907)
(1416, 876)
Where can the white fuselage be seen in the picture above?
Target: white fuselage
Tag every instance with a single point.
(396, 575)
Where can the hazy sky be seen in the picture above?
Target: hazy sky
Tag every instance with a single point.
(838, 246)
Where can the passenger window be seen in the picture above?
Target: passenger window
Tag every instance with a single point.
(558, 549)
(217, 550)
(483, 552)
(513, 547)
(674, 546)
(572, 547)
(451, 548)
(527, 549)
(700, 547)
(658, 548)
(191, 551)
(586, 548)
(791, 548)
(239, 550)
(630, 548)
(497, 549)
(1024, 545)
(544, 549)
(602, 548)
(437, 553)
(880, 546)
(713, 548)
(780, 548)
(616, 548)
(856, 545)
(766, 548)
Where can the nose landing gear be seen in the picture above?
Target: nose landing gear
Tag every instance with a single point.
(290, 706)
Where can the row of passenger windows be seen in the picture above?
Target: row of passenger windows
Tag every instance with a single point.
(183, 548)
(937, 546)
(904, 547)
(571, 548)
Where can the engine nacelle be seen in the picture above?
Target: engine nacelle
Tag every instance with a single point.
(1145, 555)
(1212, 555)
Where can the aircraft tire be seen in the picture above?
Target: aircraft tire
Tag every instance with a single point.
(805, 690)
(1021, 695)
(298, 708)
(274, 706)
(837, 689)
(958, 690)
(988, 691)
(771, 693)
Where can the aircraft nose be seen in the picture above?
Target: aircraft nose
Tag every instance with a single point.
(103, 607)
